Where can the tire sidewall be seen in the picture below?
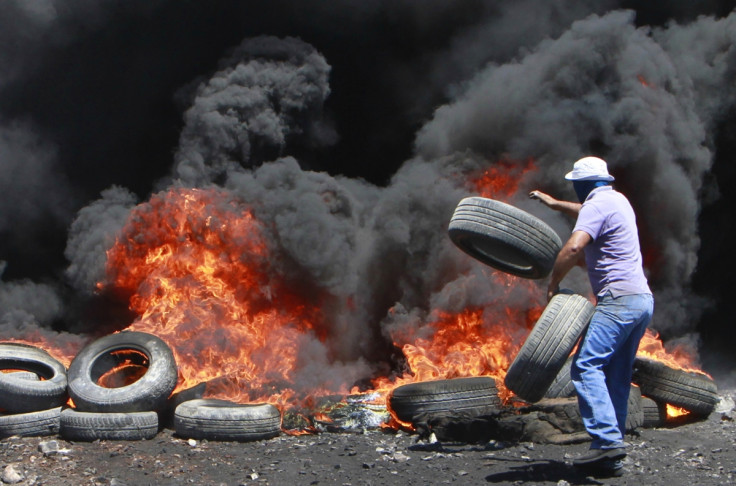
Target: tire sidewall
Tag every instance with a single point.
(149, 392)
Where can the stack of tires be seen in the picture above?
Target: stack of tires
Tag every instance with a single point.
(510, 240)
(517, 243)
(33, 388)
(128, 412)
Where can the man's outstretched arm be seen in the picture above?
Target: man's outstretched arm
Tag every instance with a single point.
(568, 207)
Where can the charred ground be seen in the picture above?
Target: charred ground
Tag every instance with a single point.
(701, 452)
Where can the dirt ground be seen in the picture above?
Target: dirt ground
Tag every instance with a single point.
(702, 452)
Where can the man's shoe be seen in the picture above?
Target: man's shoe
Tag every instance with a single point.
(608, 468)
(595, 456)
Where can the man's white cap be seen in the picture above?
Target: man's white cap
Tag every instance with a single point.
(589, 169)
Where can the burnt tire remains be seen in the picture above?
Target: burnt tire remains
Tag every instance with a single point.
(19, 394)
(147, 393)
(504, 237)
(694, 392)
(30, 424)
(91, 426)
(222, 420)
(548, 346)
(473, 396)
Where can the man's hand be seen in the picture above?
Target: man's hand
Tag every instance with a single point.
(567, 207)
(546, 199)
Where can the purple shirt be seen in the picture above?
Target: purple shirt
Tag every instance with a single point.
(613, 257)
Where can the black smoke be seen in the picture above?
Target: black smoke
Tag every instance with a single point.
(361, 121)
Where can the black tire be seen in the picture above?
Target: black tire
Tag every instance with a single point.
(18, 394)
(474, 396)
(562, 386)
(548, 345)
(504, 237)
(91, 426)
(635, 415)
(221, 420)
(694, 392)
(148, 393)
(654, 413)
(30, 424)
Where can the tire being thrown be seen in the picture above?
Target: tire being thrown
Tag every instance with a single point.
(222, 420)
(504, 237)
(147, 393)
(548, 346)
(475, 396)
(91, 426)
(18, 393)
(694, 392)
(30, 424)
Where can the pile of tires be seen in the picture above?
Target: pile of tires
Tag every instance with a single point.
(31, 396)
(127, 412)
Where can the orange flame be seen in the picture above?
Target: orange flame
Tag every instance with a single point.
(196, 265)
(501, 181)
(679, 357)
(674, 412)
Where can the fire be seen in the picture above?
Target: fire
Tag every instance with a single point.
(501, 181)
(674, 412)
(680, 358)
(196, 265)
(474, 342)
(643, 81)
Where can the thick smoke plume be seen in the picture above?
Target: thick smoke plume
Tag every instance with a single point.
(277, 121)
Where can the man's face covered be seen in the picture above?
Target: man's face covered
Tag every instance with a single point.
(583, 188)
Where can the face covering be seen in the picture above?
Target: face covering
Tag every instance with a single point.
(583, 188)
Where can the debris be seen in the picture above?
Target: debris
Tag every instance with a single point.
(725, 405)
(51, 447)
(11, 475)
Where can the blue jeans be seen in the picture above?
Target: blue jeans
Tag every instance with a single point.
(601, 371)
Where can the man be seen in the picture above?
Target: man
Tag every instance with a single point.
(605, 231)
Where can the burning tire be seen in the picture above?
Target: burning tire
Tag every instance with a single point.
(548, 345)
(504, 237)
(654, 413)
(91, 426)
(695, 392)
(19, 394)
(213, 419)
(476, 396)
(149, 392)
(31, 424)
